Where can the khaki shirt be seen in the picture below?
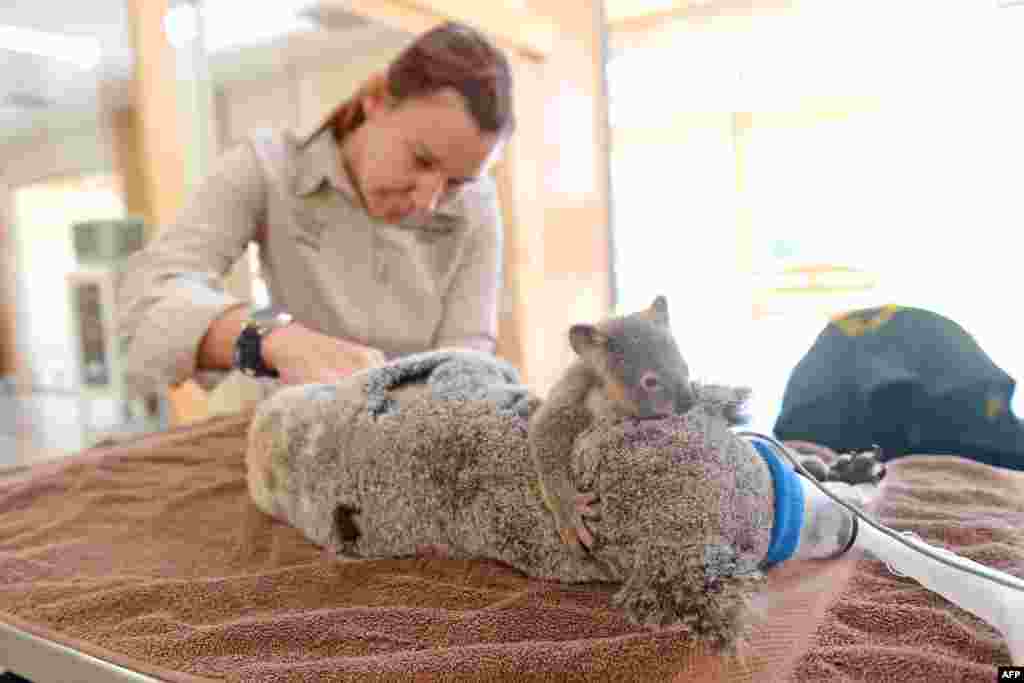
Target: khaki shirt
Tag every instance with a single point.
(400, 288)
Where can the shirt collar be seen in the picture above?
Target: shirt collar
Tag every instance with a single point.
(319, 160)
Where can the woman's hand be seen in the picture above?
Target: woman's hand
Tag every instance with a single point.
(303, 356)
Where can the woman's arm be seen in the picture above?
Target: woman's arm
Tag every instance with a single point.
(171, 294)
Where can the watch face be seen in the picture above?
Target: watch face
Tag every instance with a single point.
(270, 318)
(263, 315)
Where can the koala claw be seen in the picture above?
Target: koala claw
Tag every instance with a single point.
(585, 503)
(575, 533)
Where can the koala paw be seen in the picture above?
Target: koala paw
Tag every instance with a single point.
(858, 468)
(573, 528)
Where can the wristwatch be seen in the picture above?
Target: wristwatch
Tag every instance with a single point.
(249, 345)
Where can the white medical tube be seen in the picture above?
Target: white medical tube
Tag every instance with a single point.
(999, 605)
(826, 532)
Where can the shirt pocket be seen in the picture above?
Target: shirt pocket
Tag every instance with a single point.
(311, 216)
(428, 258)
(411, 272)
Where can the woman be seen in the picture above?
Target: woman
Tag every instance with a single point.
(379, 233)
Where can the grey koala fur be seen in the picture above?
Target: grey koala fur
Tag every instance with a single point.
(430, 452)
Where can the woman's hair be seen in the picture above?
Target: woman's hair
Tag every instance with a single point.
(451, 55)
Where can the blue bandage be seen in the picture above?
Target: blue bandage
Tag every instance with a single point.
(789, 505)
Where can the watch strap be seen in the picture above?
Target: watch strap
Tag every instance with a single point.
(248, 355)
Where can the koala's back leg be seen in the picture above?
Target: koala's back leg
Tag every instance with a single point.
(265, 485)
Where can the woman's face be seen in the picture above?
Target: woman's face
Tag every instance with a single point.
(406, 159)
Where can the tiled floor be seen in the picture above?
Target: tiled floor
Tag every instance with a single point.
(40, 426)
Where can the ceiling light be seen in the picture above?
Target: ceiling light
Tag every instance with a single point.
(181, 24)
(264, 23)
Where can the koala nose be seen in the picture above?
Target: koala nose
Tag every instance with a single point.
(685, 399)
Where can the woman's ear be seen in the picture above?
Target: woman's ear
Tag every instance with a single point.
(374, 97)
(373, 104)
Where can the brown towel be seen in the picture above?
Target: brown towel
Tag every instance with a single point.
(151, 555)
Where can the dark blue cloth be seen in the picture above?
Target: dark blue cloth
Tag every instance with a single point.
(907, 379)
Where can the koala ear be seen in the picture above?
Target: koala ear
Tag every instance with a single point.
(582, 338)
(658, 310)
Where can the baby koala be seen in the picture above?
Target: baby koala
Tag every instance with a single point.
(627, 367)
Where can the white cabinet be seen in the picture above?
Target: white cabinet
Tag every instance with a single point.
(104, 405)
